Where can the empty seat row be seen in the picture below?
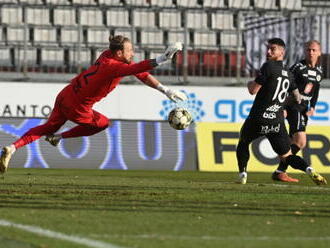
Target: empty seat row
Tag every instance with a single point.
(239, 4)
(118, 17)
(53, 56)
(71, 36)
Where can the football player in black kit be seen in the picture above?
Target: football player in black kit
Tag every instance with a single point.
(266, 115)
(307, 76)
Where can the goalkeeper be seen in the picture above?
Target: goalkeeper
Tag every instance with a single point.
(75, 102)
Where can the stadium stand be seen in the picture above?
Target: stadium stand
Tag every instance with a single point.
(64, 16)
(222, 38)
(117, 17)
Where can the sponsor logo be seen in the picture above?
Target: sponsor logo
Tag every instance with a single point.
(269, 115)
(270, 129)
(274, 108)
(217, 144)
(306, 98)
(311, 73)
(193, 105)
(284, 73)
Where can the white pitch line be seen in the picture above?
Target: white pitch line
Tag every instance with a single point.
(236, 238)
(56, 235)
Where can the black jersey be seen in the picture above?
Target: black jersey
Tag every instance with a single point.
(275, 79)
(308, 81)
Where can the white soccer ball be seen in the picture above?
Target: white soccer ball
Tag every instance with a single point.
(179, 118)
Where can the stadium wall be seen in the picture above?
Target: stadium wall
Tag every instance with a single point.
(140, 138)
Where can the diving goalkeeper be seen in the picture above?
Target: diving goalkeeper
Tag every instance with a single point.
(75, 102)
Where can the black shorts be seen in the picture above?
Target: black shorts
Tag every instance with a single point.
(275, 132)
(297, 121)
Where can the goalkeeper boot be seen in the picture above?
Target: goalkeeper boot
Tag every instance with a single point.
(242, 178)
(317, 178)
(283, 177)
(5, 158)
(53, 139)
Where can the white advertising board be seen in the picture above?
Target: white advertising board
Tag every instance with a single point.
(139, 102)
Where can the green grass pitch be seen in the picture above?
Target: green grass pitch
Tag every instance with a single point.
(153, 209)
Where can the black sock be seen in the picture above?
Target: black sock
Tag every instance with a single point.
(296, 162)
(283, 166)
(242, 155)
(294, 149)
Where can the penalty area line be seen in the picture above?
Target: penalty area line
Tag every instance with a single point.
(57, 235)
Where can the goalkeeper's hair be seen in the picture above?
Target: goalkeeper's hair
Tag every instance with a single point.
(277, 41)
(117, 42)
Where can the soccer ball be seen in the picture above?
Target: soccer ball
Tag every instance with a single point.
(179, 118)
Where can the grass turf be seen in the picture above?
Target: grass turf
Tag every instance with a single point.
(163, 209)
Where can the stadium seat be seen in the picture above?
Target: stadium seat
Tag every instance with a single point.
(229, 40)
(31, 2)
(69, 36)
(52, 57)
(11, 15)
(117, 17)
(233, 63)
(222, 20)
(31, 56)
(84, 2)
(127, 32)
(9, 1)
(187, 3)
(196, 19)
(82, 58)
(193, 59)
(213, 63)
(162, 3)
(15, 35)
(58, 2)
(111, 2)
(140, 3)
(177, 35)
(37, 15)
(265, 4)
(214, 4)
(151, 38)
(288, 4)
(98, 37)
(205, 40)
(5, 57)
(170, 19)
(91, 17)
(239, 4)
(64, 16)
(143, 18)
(44, 35)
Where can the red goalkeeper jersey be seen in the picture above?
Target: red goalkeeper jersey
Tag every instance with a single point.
(95, 83)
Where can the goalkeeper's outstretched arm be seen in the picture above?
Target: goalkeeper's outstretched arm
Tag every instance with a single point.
(173, 95)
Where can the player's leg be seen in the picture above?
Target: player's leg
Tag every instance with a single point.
(90, 125)
(297, 126)
(54, 122)
(281, 145)
(247, 134)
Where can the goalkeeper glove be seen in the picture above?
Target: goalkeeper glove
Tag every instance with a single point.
(173, 95)
(169, 53)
